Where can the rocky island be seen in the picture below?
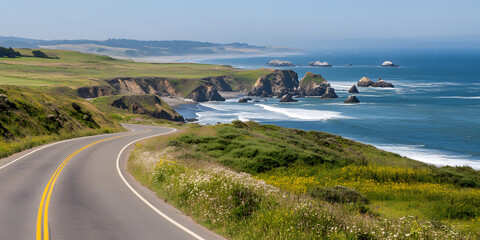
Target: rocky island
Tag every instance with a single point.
(352, 99)
(389, 64)
(288, 98)
(353, 89)
(278, 63)
(320, 64)
(315, 85)
(366, 82)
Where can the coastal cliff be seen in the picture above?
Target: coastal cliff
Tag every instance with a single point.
(94, 91)
(199, 90)
(277, 83)
(220, 82)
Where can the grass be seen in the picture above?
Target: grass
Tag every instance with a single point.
(75, 69)
(310, 77)
(31, 117)
(251, 181)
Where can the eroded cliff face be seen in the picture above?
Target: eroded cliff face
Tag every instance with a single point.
(220, 83)
(205, 93)
(94, 91)
(314, 89)
(278, 83)
(148, 104)
(134, 86)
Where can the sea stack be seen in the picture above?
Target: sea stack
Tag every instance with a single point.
(315, 85)
(381, 83)
(329, 93)
(352, 99)
(389, 64)
(365, 82)
(320, 64)
(278, 63)
(353, 89)
(276, 83)
(288, 98)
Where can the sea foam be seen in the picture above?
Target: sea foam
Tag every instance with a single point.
(460, 97)
(304, 114)
(430, 156)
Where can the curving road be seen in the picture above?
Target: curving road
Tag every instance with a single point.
(79, 189)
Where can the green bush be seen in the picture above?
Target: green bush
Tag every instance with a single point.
(339, 194)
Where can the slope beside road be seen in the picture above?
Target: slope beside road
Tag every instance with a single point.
(79, 189)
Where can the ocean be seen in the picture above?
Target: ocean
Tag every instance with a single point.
(432, 115)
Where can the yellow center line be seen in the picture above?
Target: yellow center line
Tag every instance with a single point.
(45, 201)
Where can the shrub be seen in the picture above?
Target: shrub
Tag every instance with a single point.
(245, 200)
(39, 54)
(338, 194)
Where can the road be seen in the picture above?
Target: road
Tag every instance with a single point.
(79, 189)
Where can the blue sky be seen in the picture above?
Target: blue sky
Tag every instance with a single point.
(300, 23)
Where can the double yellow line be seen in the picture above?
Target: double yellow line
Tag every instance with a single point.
(44, 202)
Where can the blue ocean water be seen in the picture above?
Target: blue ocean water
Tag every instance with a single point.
(432, 114)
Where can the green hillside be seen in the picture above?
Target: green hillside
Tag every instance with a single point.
(332, 187)
(30, 117)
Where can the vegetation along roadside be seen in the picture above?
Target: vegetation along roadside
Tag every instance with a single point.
(252, 181)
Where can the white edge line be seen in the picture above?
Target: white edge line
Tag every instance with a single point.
(49, 145)
(145, 200)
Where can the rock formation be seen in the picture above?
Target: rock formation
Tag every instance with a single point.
(287, 98)
(134, 86)
(315, 85)
(381, 83)
(205, 93)
(320, 64)
(353, 89)
(278, 63)
(389, 64)
(352, 99)
(220, 83)
(94, 91)
(148, 104)
(242, 100)
(277, 83)
(366, 82)
(329, 93)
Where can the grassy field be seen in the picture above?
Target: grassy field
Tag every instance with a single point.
(75, 69)
(251, 181)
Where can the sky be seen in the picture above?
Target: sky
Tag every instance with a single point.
(295, 23)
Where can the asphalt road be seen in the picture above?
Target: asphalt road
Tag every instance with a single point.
(88, 198)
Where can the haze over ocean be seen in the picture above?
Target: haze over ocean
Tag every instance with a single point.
(432, 114)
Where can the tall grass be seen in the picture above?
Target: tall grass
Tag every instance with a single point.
(240, 206)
